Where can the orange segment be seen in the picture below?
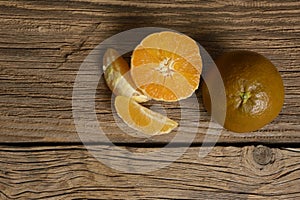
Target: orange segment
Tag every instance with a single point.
(188, 71)
(142, 119)
(159, 91)
(169, 63)
(117, 76)
(114, 60)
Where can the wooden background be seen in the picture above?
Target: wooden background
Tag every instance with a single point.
(42, 46)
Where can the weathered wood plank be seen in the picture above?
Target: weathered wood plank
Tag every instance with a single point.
(43, 43)
(68, 172)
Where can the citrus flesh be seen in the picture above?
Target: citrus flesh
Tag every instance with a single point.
(141, 118)
(254, 91)
(166, 66)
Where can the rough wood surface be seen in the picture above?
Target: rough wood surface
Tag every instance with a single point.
(70, 172)
(42, 46)
(43, 43)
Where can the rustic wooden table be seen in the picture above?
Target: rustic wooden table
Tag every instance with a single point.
(42, 46)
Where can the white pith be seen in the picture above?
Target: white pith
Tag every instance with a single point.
(166, 67)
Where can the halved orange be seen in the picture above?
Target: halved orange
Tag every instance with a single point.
(166, 66)
(141, 118)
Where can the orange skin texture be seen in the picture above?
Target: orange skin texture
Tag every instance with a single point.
(254, 91)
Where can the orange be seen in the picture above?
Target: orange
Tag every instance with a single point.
(254, 91)
(141, 118)
(117, 76)
(166, 66)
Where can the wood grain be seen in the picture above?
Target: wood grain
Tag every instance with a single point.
(43, 43)
(71, 172)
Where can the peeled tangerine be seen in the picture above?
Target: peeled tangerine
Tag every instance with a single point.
(166, 66)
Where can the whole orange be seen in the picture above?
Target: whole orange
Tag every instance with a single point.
(253, 87)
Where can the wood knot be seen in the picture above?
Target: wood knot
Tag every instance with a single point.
(259, 162)
(263, 155)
